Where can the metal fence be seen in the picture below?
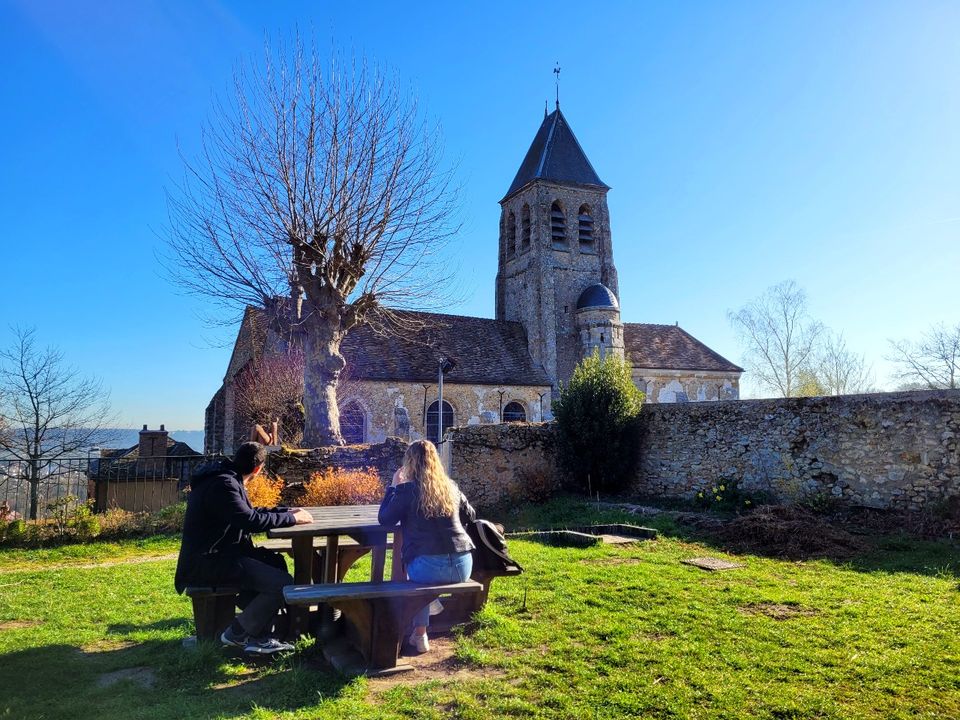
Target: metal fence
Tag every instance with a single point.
(136, 484)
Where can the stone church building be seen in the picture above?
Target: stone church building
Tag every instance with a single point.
(557, 299)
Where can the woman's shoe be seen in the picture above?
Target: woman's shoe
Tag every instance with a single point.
(420, 643)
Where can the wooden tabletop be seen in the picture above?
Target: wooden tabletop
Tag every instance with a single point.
(335, 520)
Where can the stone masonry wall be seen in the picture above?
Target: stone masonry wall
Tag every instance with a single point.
(497, 464)
(889, 450)
(297, 466)
(883, 450)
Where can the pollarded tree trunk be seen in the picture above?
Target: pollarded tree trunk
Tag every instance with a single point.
(322, 365)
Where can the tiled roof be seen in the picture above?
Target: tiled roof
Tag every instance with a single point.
(555, 155)
(669, 347)
(487, 352)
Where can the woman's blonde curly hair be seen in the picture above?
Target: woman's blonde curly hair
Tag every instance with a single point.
(438, 494)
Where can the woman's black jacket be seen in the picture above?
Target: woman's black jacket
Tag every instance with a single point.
(217, 527)
(423, 535)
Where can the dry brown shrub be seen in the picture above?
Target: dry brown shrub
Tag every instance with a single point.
(338, 486)
(264, 491)
(117, 522)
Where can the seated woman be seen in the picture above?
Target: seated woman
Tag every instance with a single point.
(431, 511)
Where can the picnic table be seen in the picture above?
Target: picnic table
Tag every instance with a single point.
(359, 523)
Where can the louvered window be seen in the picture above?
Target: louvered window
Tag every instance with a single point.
(585, 221)
(558, 226)
(511, 234)
(525, 227)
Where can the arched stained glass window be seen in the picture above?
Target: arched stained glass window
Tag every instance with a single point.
(514, 412)
(433, 417)
(511, 235)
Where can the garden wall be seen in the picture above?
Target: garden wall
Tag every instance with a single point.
(896, 450)
(296, 466)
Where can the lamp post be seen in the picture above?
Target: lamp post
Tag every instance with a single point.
(445, 366)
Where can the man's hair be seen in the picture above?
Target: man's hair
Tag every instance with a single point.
(250, 456)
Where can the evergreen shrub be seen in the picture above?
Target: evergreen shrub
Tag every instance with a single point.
(597, 416)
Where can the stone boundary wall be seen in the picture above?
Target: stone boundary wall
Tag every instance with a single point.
(886, 450)
(497, 464)
(297, 466)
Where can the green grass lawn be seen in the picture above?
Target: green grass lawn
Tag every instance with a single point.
(605, 632)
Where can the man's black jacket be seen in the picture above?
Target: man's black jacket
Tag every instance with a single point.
(217, 527)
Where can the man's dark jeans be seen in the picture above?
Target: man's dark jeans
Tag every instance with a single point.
(261, 596)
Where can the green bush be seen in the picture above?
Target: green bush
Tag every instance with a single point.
(597, 415)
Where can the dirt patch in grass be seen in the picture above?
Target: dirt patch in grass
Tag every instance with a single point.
(781, 531)
(612, 561)
(777, 611)
(440, 664)
(18, 624)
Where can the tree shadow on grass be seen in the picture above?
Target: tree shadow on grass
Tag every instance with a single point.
(157, 679)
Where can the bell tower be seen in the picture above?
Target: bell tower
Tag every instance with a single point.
(554, 243)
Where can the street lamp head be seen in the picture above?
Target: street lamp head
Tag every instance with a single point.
(447, 364)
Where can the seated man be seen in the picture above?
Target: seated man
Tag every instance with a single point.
(217, 549)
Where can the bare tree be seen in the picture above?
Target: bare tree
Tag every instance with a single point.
(840, 370)
(324, 185)
(933, 362)
(778, 335)
(49, 411)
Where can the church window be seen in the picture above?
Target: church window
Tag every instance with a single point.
(433, 418)
(514, 412)
(585, 221)
(558, 226)
(511, 234)
(352, 424)
(525, 227)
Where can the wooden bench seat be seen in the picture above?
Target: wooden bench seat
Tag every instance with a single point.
(213, 609)
(377, 615)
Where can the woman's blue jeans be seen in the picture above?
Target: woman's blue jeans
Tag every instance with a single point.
(450, 568)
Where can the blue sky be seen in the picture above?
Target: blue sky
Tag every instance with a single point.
(746, 143)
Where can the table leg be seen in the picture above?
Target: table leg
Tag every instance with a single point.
(302, 548)
(397, 571)
(378, 559)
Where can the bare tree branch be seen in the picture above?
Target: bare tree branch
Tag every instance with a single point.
(778, 335)
(933, 361)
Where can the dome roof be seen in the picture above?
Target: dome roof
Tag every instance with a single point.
(597, 296)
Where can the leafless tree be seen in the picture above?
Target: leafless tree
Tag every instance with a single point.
(778, 335)
(49, 410)
(840, 370)
(932, 362)
(323, 184)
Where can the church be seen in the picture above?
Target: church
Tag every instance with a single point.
(557, 301)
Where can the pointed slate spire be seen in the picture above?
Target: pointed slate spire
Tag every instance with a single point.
(555, 155)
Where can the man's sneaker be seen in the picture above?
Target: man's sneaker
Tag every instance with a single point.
(234, 639)
(266, 646)
(436, 607)
(420, 642)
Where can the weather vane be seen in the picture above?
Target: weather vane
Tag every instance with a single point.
(556, 71)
